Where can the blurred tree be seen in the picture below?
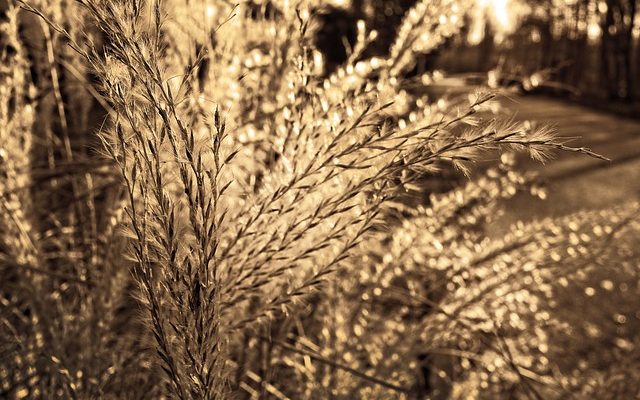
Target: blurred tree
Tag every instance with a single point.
(617, 46)
(589, 45)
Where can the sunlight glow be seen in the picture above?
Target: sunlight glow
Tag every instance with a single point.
(594, 31)
(501, 13)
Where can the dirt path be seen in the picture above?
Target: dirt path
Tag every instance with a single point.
(575, 181)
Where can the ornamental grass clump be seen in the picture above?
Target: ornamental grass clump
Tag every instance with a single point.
(63, 287)
(252, 213)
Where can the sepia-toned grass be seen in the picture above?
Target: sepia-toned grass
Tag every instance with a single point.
(234, 222)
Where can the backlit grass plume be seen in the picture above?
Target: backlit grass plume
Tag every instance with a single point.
(246, 185)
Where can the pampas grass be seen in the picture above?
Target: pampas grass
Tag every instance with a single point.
(249, 212)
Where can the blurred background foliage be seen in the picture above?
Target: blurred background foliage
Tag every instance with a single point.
(584, 48)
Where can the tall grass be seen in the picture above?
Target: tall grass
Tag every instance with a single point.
(250, 212)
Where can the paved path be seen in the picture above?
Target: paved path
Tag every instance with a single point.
(576, 181)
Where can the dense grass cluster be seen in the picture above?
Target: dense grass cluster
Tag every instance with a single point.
(194, 206)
